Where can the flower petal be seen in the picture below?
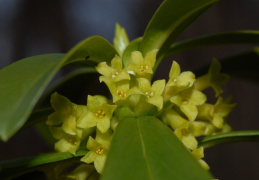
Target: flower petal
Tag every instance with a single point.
(67, 145)
(123, 75)
(157, 101)
(57, 132)
(104, 138)
(55, 118)
(197, 98)
(174, 71)
(99, 163)
(87, 120)
(190, 111)
(158, 87)
(103, 124)
(190, 141)
(90, 157)
(176, 100)
(198, 153)
(116, 63)
(144, 84)
(92, 144)
(69, 125)
(173, 119)
(60, 103)
(104, 69)
(137, 58)
(150, 58)
(217, 121)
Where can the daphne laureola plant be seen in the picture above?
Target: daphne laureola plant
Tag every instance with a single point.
(146, 129)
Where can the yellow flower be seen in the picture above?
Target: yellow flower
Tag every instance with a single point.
(63, 124)
(114, 73)
(152, 93)
(142, 67)
(99, 113)
(216, 113)
(177, 81)
(212, 79)
(187, 101)
(98, 149)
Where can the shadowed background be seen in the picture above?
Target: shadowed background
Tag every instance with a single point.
(29, 27)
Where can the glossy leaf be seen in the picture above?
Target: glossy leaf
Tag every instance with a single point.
(21, 84)
(169, 21)
(95, 49)
(13, 168)
(120, 40)
(147, 149)
(244, 65)
(235, 37)
(235, 136)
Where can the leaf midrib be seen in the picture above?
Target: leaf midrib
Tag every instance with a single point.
(144, 152)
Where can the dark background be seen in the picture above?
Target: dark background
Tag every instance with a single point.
(29, 27)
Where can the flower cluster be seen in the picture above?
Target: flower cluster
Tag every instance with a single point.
(178, 102)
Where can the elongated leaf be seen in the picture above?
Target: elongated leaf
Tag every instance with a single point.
(13, 168)
(94, 49)
(170, 20)
(235, 136)
(133, 46)
(244, 65)
(147, 149)
(21, 84)
(235, 37)
(121, 39)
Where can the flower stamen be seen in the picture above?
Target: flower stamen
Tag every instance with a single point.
(149, 95)
(121, 94)
(143, 68)
(100, 113)
(115, 75)
(184, 102)
(100, 150)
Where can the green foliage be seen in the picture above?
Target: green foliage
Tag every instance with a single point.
(21, 84)
(94, 49)
(234, 37)
(145, 148)
(142, 146)
(169, 22)
(32, 79)
(13, 168)
(230, 137)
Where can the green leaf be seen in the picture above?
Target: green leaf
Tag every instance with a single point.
(13, 168)
(147, 149)
(95, 49)
(120, 40)
(235, 136)
(244, 65)
(21, 84)
(235, 37)
(169, 21)
(133, 46)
